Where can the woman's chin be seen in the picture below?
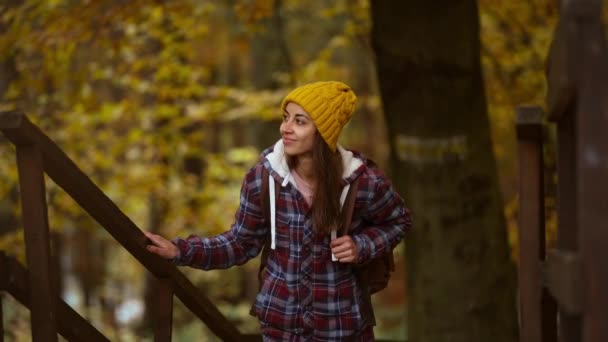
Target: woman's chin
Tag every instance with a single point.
(289, 153)
(292, 152)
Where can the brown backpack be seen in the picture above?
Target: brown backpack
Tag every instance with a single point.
(372, 276)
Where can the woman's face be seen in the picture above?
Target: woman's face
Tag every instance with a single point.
(297, 130)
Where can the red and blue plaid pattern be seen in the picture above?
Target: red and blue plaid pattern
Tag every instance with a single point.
(303, 291)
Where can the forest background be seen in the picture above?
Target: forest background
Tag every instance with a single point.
(165, 105)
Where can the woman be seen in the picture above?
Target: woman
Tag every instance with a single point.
(308, 289)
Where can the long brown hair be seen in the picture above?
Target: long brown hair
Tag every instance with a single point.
(327, 168)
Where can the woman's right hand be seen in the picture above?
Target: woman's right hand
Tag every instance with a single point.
(162, 246)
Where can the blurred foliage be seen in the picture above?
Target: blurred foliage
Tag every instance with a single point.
(154, 101)
(515, 42)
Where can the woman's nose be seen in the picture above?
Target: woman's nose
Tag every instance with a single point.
(286, 126)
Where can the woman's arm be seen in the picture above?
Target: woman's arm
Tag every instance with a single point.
(236, 246)
(386, 217)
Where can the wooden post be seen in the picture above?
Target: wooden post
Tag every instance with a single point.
(163, 310)
(592, 172)
(36, 231)
(531, 221)
(567, 233)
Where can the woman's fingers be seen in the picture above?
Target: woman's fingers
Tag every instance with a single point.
(342, 243)
(341, 248)
(347, 260)
(161, 246)
(347, 256)
(156, 239)
(344, 249)
(344, 257)
(155, 250)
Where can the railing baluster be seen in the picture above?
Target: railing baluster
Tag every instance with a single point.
(36, 231)
(531, 223)
(163, 311)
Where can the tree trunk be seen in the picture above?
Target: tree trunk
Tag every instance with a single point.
(461, 280)
(8, 73)
(270, 57)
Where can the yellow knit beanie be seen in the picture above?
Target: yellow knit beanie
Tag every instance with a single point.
(329, 104)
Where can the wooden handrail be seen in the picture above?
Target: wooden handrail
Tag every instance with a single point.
(64, 172)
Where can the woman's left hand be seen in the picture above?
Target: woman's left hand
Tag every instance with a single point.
(344, 249)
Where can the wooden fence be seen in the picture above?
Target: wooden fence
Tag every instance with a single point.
(563, 292)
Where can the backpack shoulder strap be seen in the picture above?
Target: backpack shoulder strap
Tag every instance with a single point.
(349, 207)
(264, 195)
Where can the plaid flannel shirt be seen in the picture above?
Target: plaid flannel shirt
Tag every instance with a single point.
(303, 291)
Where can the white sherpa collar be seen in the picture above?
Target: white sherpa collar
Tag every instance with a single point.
(278, 162)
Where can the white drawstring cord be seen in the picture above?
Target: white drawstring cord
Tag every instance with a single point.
(273, 225)
(273, 209)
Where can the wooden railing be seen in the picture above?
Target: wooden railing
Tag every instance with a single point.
(70, 324)
(38, 155)
(575, 272)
